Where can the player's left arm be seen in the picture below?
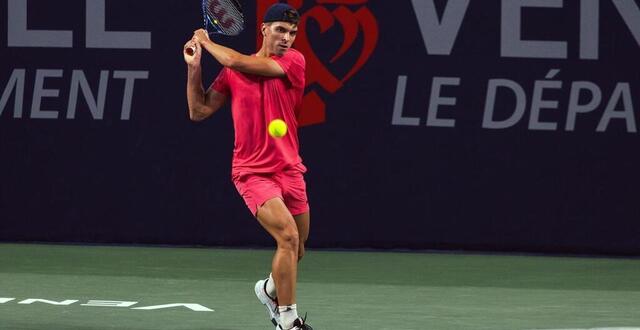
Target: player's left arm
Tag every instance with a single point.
(262, 66)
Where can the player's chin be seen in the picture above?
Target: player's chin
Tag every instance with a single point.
(281, 50)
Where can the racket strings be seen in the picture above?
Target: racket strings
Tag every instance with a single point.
(226, 16)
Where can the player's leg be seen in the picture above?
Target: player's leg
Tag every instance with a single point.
(295, 198)
(303, 222)
(256, 190)
(271, 215)
(276, 219)
(265, 289)
(294, 195)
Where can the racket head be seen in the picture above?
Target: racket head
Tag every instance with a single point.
(223, 17)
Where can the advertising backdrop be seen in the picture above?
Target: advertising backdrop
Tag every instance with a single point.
(481, 125)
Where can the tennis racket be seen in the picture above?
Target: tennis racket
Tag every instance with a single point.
(221, 17)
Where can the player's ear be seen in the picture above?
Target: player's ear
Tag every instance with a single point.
(263, 28)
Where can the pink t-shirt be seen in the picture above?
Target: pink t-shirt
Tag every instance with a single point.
(255, 102)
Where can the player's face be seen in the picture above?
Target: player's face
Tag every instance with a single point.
(279, 36)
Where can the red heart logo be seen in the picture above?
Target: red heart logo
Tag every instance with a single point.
(351, 23)
(318, 72)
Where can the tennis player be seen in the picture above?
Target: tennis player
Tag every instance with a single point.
(267, 171)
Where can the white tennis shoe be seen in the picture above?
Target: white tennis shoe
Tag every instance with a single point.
(270, 304)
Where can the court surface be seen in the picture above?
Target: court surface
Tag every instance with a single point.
(99, 287)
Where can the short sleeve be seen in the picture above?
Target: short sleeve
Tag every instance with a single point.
(221, 84)
(293, 64)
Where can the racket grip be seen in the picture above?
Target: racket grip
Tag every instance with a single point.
(190, 50)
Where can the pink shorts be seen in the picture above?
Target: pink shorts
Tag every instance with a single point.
(288, 185)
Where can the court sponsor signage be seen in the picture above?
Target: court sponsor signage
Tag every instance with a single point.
(69, 89)
(488, 125)
(107, 303)
(568, 79)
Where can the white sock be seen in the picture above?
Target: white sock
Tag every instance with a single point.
(288, 314)
(271, 288)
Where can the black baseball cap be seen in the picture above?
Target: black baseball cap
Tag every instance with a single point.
(281, 12)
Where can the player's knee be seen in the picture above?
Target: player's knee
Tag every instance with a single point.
(289, 242)
(289, 238)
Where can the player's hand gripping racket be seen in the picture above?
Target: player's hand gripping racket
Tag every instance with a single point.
(221, 17)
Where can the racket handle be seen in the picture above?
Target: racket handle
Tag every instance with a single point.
(190, 50)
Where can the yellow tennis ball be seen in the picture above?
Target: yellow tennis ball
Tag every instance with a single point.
(277, 128)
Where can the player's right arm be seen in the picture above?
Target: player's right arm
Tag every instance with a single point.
(201, 104)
